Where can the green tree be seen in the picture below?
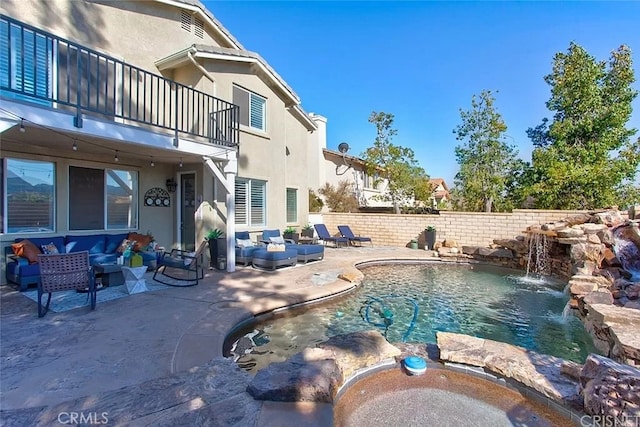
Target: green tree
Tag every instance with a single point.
(583, 157)
(315, 202)
(486, 162)
(406, 180)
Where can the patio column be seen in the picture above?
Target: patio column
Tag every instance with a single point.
(228, 180)
(230, 171)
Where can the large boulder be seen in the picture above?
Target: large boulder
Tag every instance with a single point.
(311, 375)
(611, 389)
(541, 372)
(316, 374)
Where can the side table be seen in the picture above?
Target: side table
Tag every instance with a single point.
(134, 279)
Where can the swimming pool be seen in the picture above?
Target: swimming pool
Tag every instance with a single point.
(411, 302)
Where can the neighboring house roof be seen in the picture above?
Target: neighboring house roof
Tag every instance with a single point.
(336, 154)
(439, 181)
(435, 182)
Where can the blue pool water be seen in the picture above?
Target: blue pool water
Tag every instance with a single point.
(411, 302)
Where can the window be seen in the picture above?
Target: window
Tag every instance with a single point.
(102, 199)
(30, 201)
(252, 108)
(368, 181)
(292, 205)
(251, 202)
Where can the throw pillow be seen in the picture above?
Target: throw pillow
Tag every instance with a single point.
(275, 247)
(277, 239)
(124, 246)
(141, 241)
(26, 249)
(49, 249)
(244, 243)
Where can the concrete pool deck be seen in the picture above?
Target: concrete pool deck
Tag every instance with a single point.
(83, 360)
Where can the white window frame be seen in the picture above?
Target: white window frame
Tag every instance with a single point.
(247, 201)
(292, 215)
(5, 201)
(253, 100)
(110, 173)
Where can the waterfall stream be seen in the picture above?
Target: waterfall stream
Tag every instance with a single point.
(538, 260)
(627, 250)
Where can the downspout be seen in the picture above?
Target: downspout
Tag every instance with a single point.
(202, 70)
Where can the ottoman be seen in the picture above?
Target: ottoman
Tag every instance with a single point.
(272, 259)
(308, 252)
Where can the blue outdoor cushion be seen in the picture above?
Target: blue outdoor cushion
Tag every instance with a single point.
(266, 234)
(243, 235)
(95, 244)
(307, 249)
(261, 253)
(113, 241)
(23, 269)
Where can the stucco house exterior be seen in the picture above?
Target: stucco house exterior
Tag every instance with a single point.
(144, 116)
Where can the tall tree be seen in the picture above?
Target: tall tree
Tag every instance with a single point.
(486, 161)
(585, 154)
(406, 180)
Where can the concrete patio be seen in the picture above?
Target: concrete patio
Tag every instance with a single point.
(107, 360)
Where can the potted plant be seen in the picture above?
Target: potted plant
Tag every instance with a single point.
(217, 245)
(430, 236)
(291, 233)
(307, 231)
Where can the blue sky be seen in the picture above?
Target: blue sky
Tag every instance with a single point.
(423, 61)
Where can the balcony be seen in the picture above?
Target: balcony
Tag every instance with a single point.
(40, 68)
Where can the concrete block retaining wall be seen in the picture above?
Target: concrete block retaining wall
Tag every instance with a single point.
(466, 228)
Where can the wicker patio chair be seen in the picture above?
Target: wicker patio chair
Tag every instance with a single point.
(62, 272)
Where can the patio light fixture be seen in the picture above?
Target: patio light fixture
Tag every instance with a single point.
(171, 185)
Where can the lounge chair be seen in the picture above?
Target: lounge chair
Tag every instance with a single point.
(325, 236)
(345, 231)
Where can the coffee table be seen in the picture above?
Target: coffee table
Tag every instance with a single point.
(111, 274)
(134, 279)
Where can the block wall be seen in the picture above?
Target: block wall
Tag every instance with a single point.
(466, 228)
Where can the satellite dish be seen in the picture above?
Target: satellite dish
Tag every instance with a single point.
(343, 147)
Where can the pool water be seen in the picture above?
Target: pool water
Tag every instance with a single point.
(411, 302)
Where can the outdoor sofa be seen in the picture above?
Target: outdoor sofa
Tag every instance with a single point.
(25, 270)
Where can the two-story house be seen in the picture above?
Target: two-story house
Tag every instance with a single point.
(149, 116)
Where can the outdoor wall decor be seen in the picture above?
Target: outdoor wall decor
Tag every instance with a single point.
(157, 197)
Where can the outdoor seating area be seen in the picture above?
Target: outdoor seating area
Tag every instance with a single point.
(23, 268)
(272, 250)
